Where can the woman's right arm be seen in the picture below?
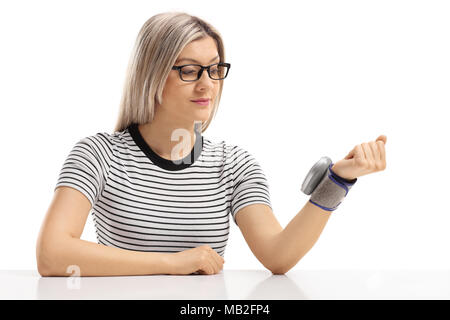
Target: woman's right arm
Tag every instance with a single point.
(59, 246)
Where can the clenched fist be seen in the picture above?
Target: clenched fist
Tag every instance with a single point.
(201, 260)
(365, 158)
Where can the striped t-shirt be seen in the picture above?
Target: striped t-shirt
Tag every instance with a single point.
(143, 202)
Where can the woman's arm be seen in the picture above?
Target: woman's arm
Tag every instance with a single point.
(59, 245)
(299, 236)
(280, 249)
(276, 248)
(92, 259)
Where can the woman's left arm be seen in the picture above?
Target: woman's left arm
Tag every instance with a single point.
(280, 249)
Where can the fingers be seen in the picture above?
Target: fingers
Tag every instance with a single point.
(218, 260)
(213, 261)
(359, 156)
(212, 267)
(375, 153)
(382, 151)
(381, 142)
(369, 157)
(207, 268)
(350, 154)
(367, 152)
(382, 138)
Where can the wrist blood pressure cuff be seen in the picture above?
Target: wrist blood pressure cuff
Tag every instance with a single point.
(331, 190)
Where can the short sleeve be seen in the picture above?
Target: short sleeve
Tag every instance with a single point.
(249, 182)
(84, 169)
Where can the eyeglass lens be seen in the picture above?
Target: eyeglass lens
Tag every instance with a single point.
(190, 72)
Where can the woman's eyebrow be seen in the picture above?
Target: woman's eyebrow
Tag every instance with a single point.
(193, 60)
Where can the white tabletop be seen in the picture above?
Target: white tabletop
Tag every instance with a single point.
(234, 285)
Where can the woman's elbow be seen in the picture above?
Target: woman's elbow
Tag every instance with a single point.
(43, 271)
(278, 271)
(43, 268)
(44, 259)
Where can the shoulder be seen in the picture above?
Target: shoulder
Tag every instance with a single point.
(234, 156)
(228, 151)
(104, 143)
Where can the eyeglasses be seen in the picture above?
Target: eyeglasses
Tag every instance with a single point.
(193, 72)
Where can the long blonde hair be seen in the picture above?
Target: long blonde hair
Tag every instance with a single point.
(158, 44)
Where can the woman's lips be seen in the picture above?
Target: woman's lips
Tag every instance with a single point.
(202, 102)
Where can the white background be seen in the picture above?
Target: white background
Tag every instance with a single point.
(308, 79)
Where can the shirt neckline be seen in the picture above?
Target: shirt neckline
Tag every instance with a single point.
(162, 162)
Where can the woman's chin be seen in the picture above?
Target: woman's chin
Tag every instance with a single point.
(202, 115)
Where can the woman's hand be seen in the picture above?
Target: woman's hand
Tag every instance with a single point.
(365, 158)
(200, 260)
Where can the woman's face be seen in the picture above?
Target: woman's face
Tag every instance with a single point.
(178, 94)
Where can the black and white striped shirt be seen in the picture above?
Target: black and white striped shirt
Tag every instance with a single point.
(143, 202)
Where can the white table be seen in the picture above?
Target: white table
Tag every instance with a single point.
(234, 285)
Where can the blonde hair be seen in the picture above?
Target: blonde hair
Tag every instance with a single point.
(158, 44)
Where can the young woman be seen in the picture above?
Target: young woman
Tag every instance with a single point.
(162, 206)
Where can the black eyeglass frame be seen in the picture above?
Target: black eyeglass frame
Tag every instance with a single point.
(200, 72)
